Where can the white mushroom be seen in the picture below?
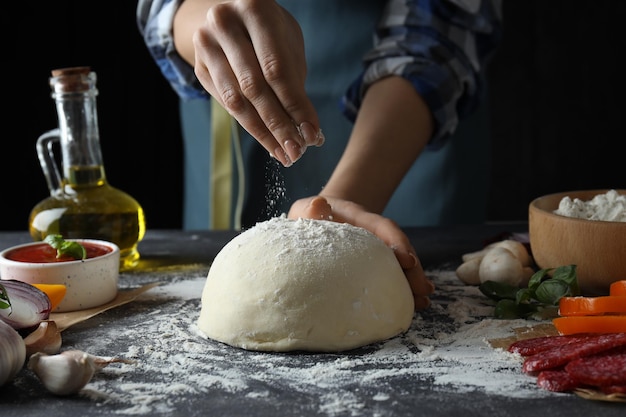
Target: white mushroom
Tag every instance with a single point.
(504, 261)
(478, 254)
(501, 265)
(517, 248)
(468, 271)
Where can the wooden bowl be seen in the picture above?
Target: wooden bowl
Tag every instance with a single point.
(598, 248)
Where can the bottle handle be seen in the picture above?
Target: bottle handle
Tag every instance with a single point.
(45, 153)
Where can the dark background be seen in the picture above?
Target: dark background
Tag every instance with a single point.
(557, 101)
(137, 110)
(556, 97)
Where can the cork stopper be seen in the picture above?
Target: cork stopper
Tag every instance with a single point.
(72, 80)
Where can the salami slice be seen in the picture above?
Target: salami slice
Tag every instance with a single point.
(559, 356)
(557, 381)
(604, 369)
(529, 347)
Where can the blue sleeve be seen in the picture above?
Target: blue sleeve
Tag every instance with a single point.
(439, 46)
(154, 19)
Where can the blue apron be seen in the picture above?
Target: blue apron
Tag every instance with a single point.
(446, 186)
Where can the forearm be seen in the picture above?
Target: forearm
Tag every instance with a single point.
(190, 15)
(392, 128)
(445, 63)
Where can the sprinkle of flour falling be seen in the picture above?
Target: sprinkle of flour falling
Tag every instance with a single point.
(274, 189)
(446, 349)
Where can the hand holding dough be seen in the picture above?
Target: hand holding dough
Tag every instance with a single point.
(304, 284)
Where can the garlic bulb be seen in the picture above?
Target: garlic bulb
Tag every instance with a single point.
(69, 371)
(12, 352)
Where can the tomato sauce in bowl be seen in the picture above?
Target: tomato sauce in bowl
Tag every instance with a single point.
(90, 282)
(44, 253)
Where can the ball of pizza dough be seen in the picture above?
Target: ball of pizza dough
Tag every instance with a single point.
(311, 285)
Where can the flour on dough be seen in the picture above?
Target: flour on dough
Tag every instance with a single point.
(312, 285)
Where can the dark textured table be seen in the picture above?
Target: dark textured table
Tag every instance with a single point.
(178, 373)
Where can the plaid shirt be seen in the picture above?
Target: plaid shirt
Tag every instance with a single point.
(439, 46)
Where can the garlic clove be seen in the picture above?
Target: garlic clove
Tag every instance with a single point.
(69, 371)
(62, 374)
(46, 338)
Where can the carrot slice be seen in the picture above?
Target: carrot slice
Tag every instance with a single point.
(590, 324)
(592, 306)
(55, 293)
(618, 288)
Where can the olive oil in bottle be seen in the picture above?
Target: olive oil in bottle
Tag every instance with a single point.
(82, 204)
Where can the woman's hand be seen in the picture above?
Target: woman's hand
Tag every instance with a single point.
(249, 55)
(325, 208)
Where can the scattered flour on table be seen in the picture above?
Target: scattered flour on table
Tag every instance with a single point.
(446, 349)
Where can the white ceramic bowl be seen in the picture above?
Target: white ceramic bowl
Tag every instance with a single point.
(90, 282)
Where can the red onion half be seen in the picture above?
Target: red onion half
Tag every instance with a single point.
(29, 305)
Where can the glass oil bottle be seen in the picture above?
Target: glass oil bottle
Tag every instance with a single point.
(82, 204)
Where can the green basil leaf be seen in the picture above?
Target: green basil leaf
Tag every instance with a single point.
(537, 278)
(539, 300)
(567, 274)
(73, 249)
(498, 290)
(64, 247)
(507, 309)
(4, 298)
(550, 291)
(54, 240)
(523, 296)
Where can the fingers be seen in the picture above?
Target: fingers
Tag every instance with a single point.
(253, 64)
(283, 63)
(421, 302)
(421, 287)
(387, 230)
(311, 208)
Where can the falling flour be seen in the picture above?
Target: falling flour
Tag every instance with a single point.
(446, 349)
(275, 189)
